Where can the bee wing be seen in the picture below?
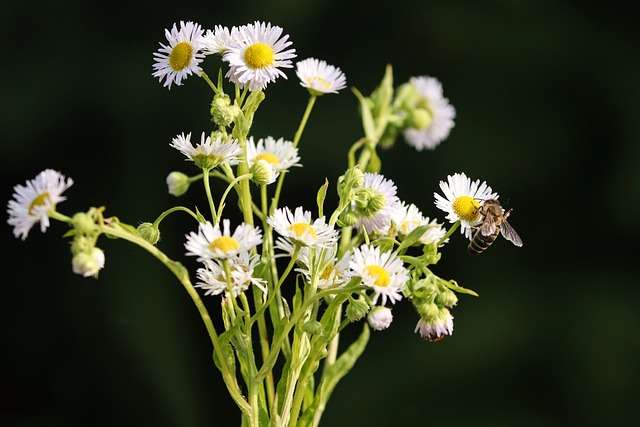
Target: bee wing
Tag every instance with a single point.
(510, 234)
(488, 226)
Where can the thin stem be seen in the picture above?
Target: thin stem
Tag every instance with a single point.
(207, 189)
(164, 214)
(449, 233)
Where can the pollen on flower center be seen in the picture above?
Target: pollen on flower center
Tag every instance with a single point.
(41, 200)
(321, 81)
(382, 276)
(259, 55)
(180, 56)
(405, 225)
(301, 229)
(467, 208)
(225, 244)
(326, 272)
(267, 157)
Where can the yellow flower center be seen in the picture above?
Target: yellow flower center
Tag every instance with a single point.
(467, 208)
(41, 200)
(267, 157)
(326, 272)
(225, 244)
(180, 56)
(409, 225)
(302, 228)
(382, 277)
(259, 55)
(319, 81)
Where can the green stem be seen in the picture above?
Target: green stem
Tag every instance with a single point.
(207, 189)
(164, 214)
(453, 228)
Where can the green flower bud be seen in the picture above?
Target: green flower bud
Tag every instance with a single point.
(178, 183)
(83, 223)
(355, 177)
(149, 232)
(223, 113)
(81, 244)
(369, 201)
(356, 310)
(348, 218)
(428, 311)
(447, 298)
(263, 173)
(313, 327)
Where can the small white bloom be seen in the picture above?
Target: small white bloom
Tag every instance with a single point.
(297, 228)
(440, 112)
(435, 329)
(380, 317)
(323, 268)
(320, 77)
(214, 280)
(208, 154)
(88, 263)
(177, 183)
(218, 40)
(31, 202)
(409, 217)
(214, 242)
(280, 153)
(180, 58)
(257, 56)
(383, 272)
(460, 200)
(376, 203)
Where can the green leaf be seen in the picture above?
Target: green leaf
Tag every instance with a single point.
(451, 284)
(414, 236)
(322, 193)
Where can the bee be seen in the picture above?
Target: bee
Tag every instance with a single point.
(494, 222)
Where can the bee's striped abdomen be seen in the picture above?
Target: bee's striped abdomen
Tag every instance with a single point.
(479, 242)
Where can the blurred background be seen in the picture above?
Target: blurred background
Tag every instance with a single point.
(547, 99)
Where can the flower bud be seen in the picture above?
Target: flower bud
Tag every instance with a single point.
(80, 244)
(380, 318)
(447, 298)
(223, 113)
(263, 173)
(83, 223)
(419, 118)
(313, 327)
(88, 263)
(149, 232)
(178, 183)
(428, 311)
(356, 310)
(348, 218)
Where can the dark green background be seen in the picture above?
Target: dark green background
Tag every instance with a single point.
(547, 100)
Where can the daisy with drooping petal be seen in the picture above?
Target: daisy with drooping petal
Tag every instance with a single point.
(31, 202)
(215, 242)
(383, 272)
(208, 154)
(434, 115)
(320, 77)
(460, 200)
(409, 217)
(280, 153)
(435, 329)
(218, 40)
(298, 229)
(376, 203)
(180, 58)
(214, 280)
(257, 56)
(323, 268)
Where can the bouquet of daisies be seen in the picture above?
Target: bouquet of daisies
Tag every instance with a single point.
(288, 279)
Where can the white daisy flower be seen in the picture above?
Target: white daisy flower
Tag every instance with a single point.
(280, 153)
(320, 77)
(435, 329)
(438, 115)
(297, 228)
(214, 242)
(180, 58)
(257, 56)
(214, 280)
(460, 200)
(31, 202)
(322, 266)
(383, 272)
(376, 203)
(409, 217)
(218, 40)
(208, 154)
(380, 317)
